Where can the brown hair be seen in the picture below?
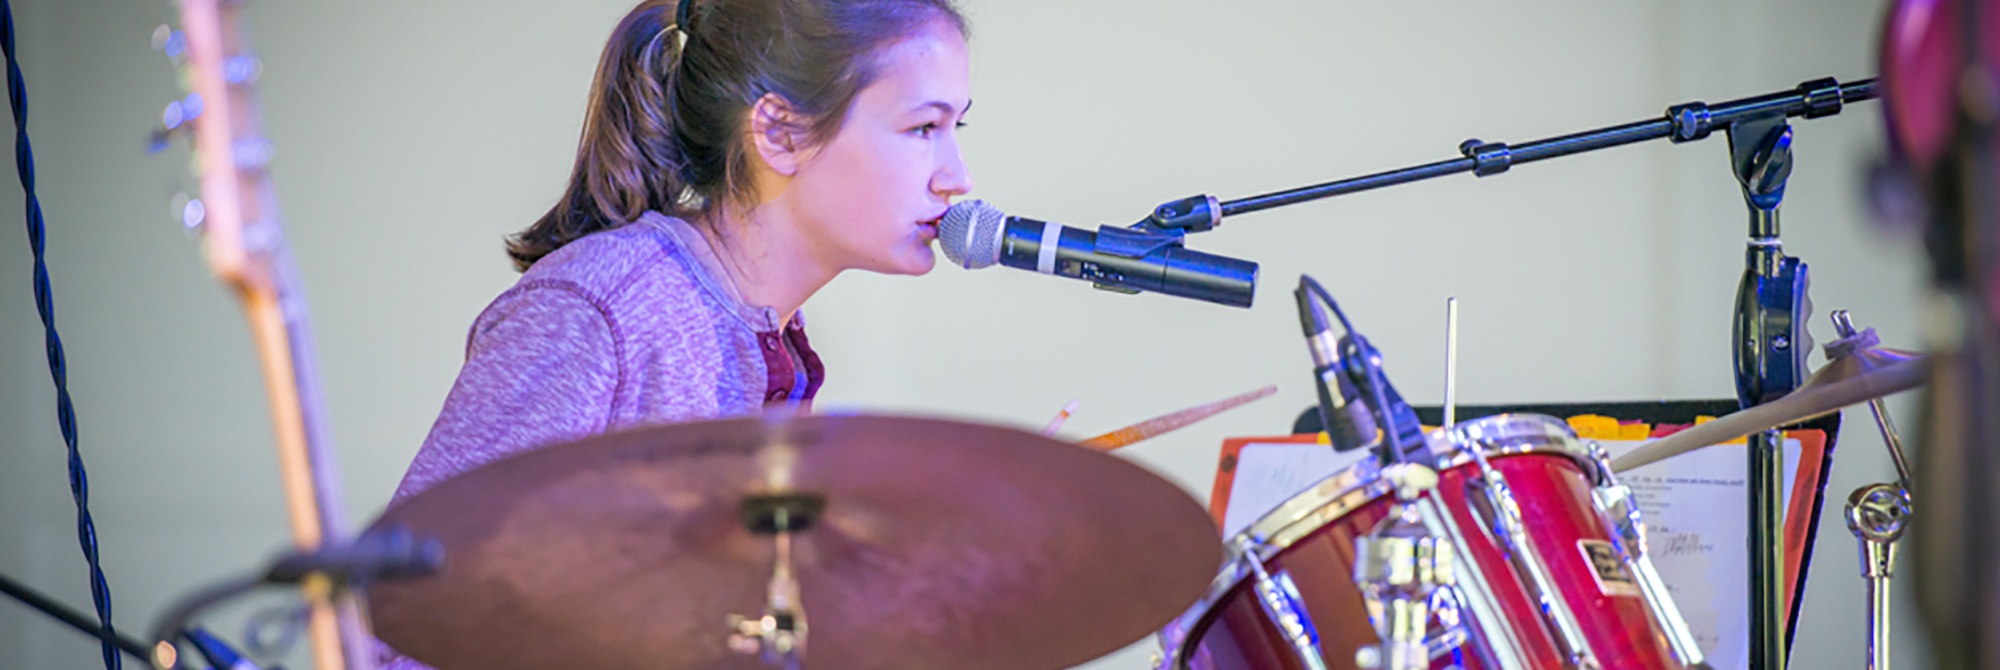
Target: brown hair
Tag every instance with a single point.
(664, 130)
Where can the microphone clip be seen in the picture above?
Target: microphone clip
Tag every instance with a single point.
(1138, 241)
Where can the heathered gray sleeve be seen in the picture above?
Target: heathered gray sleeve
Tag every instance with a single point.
(541, 368)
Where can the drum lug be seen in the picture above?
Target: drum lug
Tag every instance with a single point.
(1620, 510)
(1503, 516)
(1282, 603)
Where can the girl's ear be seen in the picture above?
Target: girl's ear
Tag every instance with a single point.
(779, 134)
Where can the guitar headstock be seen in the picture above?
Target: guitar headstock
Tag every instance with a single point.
(237, 211)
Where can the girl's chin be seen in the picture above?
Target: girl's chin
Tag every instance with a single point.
(918, 259)
(919, 262)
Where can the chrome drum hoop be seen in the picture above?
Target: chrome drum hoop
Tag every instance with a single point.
(1343, 492)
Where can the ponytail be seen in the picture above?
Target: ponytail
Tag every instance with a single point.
(629, 160)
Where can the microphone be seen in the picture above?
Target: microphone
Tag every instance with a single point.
(217, 653)
(1358, 366)
(392, 553)
(975, 235)
(1348, 424)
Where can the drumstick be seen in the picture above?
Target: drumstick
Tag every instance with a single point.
(1062, 416)
(1151, 428)
(1800, 405)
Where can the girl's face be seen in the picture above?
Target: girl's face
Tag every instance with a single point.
(873, 194)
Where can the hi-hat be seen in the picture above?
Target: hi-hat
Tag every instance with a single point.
(941, 545)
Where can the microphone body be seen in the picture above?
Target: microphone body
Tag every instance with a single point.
(1054, 249)
(974, 234)
(1346, 419)
(391, 553)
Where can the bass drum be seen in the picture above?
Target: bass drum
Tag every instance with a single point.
(1609, 605)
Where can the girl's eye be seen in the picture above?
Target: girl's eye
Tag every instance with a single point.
(927, 129)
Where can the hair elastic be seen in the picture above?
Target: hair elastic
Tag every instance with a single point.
(681, 15)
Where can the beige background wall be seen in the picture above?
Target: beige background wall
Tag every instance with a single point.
(413, 135)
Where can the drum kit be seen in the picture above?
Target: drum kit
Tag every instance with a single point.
(916, 542)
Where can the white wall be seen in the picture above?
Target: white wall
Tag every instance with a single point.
(413, 135)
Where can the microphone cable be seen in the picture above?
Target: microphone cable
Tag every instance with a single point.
(1391, 436)
(79, 483)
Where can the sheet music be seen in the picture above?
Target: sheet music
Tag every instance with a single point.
(1694, 506)
(1698, 533)
(1269, 474)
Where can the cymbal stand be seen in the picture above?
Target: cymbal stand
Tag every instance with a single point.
(779, 633)
(1877, 513)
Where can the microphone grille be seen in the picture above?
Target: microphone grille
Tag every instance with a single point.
(969, 235)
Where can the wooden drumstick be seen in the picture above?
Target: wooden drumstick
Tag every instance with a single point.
(1151, 428)
(1809, 401)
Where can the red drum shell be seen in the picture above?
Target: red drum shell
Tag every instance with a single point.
(1552, 483)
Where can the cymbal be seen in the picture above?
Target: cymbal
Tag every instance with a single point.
(1852, 380)
(941, 544)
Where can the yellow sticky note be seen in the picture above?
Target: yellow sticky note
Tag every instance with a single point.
(1634, 431)
(1594, 427)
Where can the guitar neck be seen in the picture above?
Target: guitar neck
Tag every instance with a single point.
(246, 248)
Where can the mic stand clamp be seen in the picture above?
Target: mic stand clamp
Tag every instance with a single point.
(1193, 214)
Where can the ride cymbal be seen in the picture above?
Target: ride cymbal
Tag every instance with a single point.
(941, 544)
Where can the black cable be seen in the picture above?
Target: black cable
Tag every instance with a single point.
(79, 484)
(65, 614)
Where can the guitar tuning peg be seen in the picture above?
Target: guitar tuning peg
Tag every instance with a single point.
(173, 119)
(194, 215)
(179, 112)
(171, 42)
(242, 70)
(189, 211)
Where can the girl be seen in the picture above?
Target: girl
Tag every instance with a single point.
(719, 184)
(736, 156)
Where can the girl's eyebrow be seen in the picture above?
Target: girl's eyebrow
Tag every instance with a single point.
(945, 107)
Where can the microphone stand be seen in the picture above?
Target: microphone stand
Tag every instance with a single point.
(1687, 122)
(1769, 338)
(1770, 343)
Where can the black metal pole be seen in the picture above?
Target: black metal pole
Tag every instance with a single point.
(1681, 123)
(63, 613)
